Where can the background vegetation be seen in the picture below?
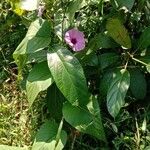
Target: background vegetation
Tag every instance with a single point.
(129, 128)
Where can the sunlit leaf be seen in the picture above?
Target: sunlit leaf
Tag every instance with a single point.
(37, 38)
(85, 120)
(39, 79)
(46, 138)
(68, 75)
(118, 32)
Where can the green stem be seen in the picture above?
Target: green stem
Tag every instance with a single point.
(137, 60)
(59, 132)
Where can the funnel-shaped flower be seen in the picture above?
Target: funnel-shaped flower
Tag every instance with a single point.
(75, 39)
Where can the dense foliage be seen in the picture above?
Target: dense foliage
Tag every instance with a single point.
(93, 59)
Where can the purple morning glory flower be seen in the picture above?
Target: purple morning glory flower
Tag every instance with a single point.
(75, 39)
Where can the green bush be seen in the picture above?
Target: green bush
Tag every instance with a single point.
(93, 58)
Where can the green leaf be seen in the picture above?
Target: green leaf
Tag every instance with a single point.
(39, 79)
(55, 100)
(90, 60)
(37, 38)
(117, 91)
(144, 41)
(108, 59)
(85, 120)
(100, 41)
(118, 32)
(73, 7)
(6, 147)
(68, 75)
(125, 3)
(137, 84)
(46, 138)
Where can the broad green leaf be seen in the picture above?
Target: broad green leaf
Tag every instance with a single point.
(118, 32)
(68, 75)
(137, 84)
(108, 59)
(29, 5)
(37, 57)
(73, 7)
(144, 40)
(85, 120)
(117, 91)
(46, 138)
(125, 3)
(55, 100)
(37, 38)
(6, 147)
(39, 79)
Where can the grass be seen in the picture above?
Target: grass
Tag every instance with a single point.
(15, 122)
(18, 123)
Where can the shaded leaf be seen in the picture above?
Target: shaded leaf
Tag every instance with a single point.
(90, 60)
(55, 101)
(107, 59)
(46, 138)
(68, 75)
(105, 82)
(144, 41)
(118, 32)
(85, 120)
(137, 83)
(39, 79)
(117, 91)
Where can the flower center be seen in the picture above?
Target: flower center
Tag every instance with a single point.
(73, 41)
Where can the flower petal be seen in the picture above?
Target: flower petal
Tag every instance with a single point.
(75, 34)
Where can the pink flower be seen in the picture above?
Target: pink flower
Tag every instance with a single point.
(75, 39)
